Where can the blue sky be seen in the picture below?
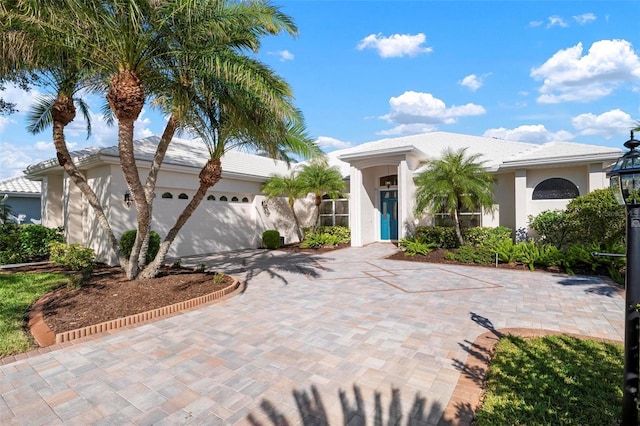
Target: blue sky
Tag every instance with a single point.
(365, 70)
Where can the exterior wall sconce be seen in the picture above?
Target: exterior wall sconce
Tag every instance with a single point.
(127, 200)
(388, 183)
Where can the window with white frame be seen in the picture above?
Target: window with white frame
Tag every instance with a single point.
(334, 212)
(469, 218)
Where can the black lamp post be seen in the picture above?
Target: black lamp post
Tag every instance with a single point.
(624, 179)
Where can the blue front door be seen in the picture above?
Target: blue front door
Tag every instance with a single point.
(388, 215)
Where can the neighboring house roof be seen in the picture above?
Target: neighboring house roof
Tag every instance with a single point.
(497, 153)
(182, 153)
(19, 185)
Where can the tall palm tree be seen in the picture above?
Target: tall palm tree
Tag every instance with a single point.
(286, 186)
(319, 179)
(453, 182)
(31, 52)
(148, 50)
(230, 114)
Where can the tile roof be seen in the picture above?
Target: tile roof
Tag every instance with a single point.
(495, 152)
(182, 152)
(20, 185)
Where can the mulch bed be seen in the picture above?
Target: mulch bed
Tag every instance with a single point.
(108, 295)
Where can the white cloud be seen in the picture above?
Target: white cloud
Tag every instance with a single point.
(556, 21)
(569, 76)
(473, 82)
(584, 18)
(284, 55)
(4, 122)
(16, 158)
(22, 98)
(417, 110)
(535, 133)
(396, 45)
(101, 133)
(329, 143)
(534, 24)
(607, 124)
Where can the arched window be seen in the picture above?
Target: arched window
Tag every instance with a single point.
(211, 198)
(223, 198)
(183, 196)
(555, 189)
(234, 199)
(245, 200)
(167, 195)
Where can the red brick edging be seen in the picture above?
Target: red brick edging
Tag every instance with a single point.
(44, 336)
(467, 394)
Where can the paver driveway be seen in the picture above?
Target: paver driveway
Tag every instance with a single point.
(332, 321)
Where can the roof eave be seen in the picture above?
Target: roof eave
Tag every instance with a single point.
(574, 159)
(408, 149)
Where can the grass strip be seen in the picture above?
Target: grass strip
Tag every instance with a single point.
(17, 293)
(553, 380)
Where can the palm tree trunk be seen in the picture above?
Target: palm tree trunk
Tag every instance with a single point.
(209, 176)
(150, 184)
(456, 222)
(296, 220)
(63, 112)
(126, 99)
(317, 201)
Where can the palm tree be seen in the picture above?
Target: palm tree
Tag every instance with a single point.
(453, 182)
(228, 113)
(319, 179)
(286, 186)
(141, 50)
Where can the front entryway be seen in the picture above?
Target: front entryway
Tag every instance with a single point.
(389, 215)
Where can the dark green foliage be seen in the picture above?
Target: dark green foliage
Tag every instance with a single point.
(26, 243)
(552, 227)
(35, 239)
(553, 380)
(596, 218)
(411, 247)
(580, 258)
(441, 236)
(317, 240)
(326, 236)
(271, 239)
(76, 258)
(465, 254)
(10, 244)
(128, 239)
(484, 255)
(480, 235)
(506, 250)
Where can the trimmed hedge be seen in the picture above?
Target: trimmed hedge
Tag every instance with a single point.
(271, 239)
(129, 238)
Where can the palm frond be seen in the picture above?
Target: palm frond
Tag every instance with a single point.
(39, 116)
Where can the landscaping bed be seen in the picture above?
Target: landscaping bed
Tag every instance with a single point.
(107, 294)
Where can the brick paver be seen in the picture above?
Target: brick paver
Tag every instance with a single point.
(347, 321)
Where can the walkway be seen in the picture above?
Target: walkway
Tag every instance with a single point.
(347, 319)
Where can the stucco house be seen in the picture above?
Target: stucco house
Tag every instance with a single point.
(379, 176)
(530, 177)
(23, 196)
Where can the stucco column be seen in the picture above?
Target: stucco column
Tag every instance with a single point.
(597, 177)
(405, 194)
(355, 208)
(521, 199)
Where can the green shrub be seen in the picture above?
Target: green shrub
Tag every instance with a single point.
(479, 235)
(505, 249)
(411, 247)
(465, 254)
(596, 217)
(441, 236)
(552, 227)
(35, 239)
(73, 256)
(449, 255)
(10, 244)
(342, 233)
(528, 252)
(128, 239)
(271, 239)
(484, 255)
(550, 255)
(315, 240)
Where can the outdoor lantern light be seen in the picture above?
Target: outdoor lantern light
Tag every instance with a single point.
(624, 179)
(127, 199)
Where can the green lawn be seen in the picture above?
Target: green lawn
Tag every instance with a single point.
(17, 292)
(553, 380)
